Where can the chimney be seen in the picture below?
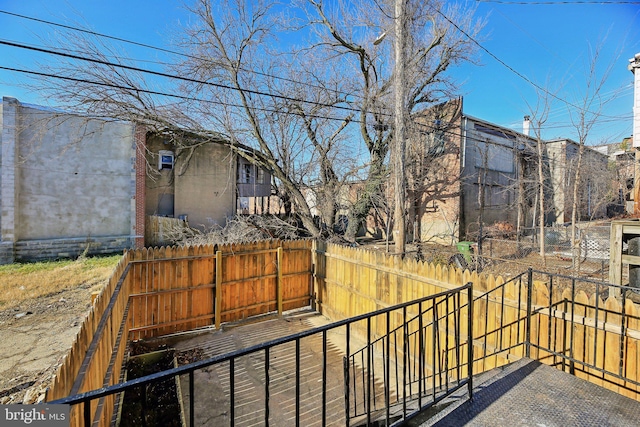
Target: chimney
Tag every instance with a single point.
(526, 123)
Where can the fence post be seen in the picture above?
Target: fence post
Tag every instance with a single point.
(218, 303)
(528, 331)
(470, 339)
(314, 274)
(279, 281)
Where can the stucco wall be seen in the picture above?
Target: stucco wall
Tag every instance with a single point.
(159, 183)
(594, 174)
(74, 176)
(556, 151)
(205, 191)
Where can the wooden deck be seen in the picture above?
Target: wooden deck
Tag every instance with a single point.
(212, 385)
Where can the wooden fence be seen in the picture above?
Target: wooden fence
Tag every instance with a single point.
(159, 291)
(154, 292)
(159, 230)
(96, 356)
(563, 332)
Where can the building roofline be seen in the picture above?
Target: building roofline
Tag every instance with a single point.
(502, 128)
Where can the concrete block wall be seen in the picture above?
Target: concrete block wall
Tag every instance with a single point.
(64, 177)
(6, 253)
(52, 249)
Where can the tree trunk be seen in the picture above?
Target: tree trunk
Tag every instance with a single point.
(541, 199)
(575, 244)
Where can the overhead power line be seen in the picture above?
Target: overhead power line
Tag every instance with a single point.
(553, 2)
(165, 50)
(162, 74)
(172, 76)
(513, 70)
(170, 95)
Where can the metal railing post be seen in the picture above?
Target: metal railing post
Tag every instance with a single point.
(345, 367)
(528, 330)
(232, 392)
(347, 383)
(298, 382)
(87, 412)
(324, 378)
(368, 367)
(192, 406)
(267, 362)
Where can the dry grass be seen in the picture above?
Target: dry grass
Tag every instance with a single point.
(21, 282)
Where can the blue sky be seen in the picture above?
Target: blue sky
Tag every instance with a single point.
(548, 44)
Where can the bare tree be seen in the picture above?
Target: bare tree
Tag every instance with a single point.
(433, 170)
(539, 115)
(232, 87)
(302, 110)
(352, 31)
(590, 109)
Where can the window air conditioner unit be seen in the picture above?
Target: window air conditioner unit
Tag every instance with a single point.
(165, 159)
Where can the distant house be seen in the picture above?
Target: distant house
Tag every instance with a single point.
(594, 186)
(463, 170)
(453, 159)
(622, 158)
(71, 183)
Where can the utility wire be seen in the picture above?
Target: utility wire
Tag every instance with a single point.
(187, 98)
(553, 2)
(162, 74)
(171, 95)
(161, 49)
(171, 76)
(513, 70)
(73, 56)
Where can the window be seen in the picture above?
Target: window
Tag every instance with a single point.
(260, 178)
(435, 143)
(245, 174)
(165, 159)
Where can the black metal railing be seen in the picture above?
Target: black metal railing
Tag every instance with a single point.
(413, 366)
(490, 339)
(260, 358)
(574, 329)
(413, 355)
(578, 312)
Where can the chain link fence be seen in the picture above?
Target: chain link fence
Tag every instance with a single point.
(507, 255)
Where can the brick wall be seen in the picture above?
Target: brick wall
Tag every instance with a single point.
(140, 186)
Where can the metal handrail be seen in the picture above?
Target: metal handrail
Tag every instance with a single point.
(409, 357)
(86, 398)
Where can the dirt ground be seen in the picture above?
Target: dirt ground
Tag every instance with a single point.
(36, 335)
